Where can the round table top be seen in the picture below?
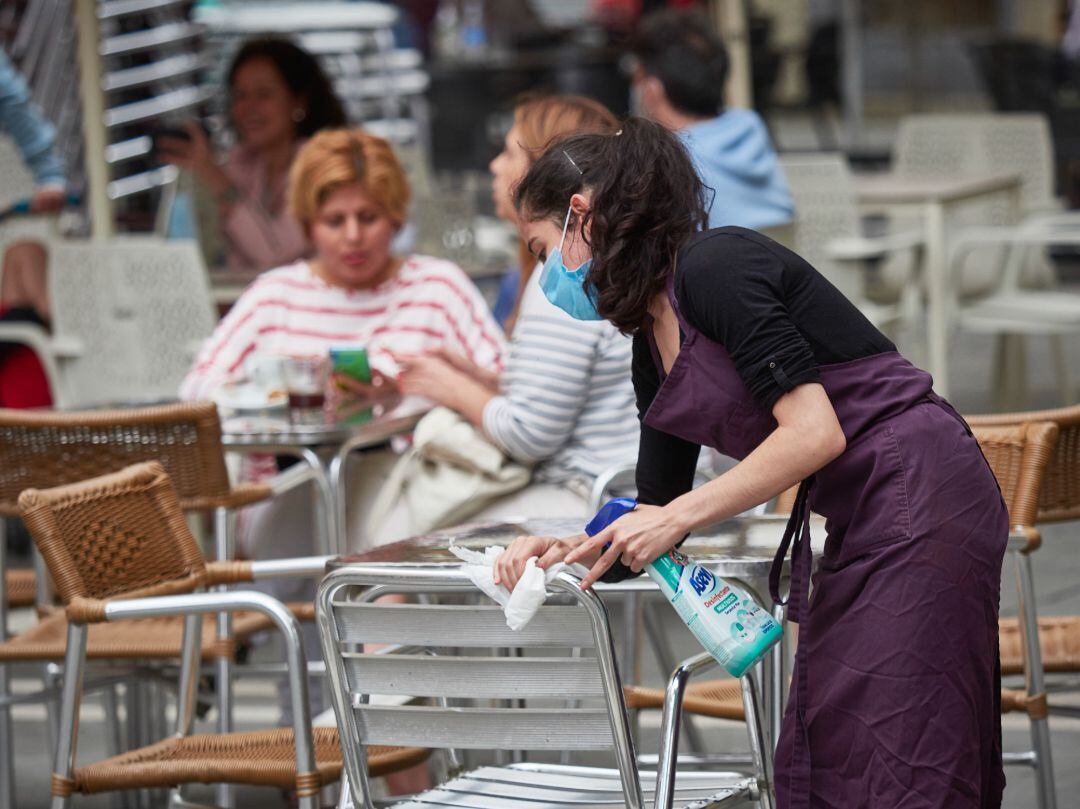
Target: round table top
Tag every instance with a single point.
(368, 425)
(740, 548)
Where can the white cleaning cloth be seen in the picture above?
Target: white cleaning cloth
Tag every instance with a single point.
(530, 592)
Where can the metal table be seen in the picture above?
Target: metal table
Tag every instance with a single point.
(932, 197)
(326, 447)
(741, 548)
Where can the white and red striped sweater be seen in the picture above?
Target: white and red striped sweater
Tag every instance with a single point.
(429, 304)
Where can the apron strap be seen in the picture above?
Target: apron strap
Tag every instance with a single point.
(797, 537)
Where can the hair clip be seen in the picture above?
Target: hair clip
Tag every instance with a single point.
(618, 133)
(572, 163)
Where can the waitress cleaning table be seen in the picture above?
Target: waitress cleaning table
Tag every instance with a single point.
(741, 345)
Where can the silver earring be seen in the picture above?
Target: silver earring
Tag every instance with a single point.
(299, 114)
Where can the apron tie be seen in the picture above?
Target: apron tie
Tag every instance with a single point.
(797, 538)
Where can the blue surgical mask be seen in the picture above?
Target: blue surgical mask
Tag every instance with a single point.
(565, 287)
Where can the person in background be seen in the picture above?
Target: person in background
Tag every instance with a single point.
(278, 97)
(23, 293)
(538, 120)
(678, 81)
(350, 195)
(564, 401)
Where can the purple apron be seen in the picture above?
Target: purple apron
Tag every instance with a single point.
(896, 695)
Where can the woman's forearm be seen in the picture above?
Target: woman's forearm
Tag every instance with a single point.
(808, 437)
(779, 462)
(469, 398)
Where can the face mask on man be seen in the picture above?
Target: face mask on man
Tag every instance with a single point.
(567, 288)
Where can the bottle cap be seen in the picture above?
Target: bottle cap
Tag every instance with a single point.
(608, 513)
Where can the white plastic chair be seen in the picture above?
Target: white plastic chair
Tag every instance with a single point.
(128, 316)
(1012, 312)
(490, 688)
(828, 234)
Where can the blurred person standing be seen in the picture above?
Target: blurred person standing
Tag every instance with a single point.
(678, 81)
(278, 97)
(23, 293)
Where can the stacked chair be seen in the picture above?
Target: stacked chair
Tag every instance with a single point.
(46, 449)
(119, 549)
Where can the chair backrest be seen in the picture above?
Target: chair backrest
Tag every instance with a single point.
(40, 449)
(121, 533)
(1059, 498)
(1018, 454)
(825, 209)
(547, 696)
(129, 314)
(962, 145)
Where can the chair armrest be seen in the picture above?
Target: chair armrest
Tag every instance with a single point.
(858, 248)
(669, 727)
(233, 601)
(235, 572)
(296, 475)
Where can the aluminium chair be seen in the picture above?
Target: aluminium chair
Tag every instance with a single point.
(493, 689)
(119, 548)
(45, 449)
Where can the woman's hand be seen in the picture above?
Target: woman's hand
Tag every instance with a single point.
(345, 388)
(487, 378)
(196, 156)
(510, 564)
(429, 376)
(637, 538)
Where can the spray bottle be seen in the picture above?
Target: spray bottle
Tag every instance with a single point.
(723, 617)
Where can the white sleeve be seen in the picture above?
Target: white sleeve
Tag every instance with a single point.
(222, 356)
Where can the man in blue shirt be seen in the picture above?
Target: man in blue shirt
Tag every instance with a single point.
(679, 76)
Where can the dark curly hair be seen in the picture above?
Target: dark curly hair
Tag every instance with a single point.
(302, 75)
(646, 201)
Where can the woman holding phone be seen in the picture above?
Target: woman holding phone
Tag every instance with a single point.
(740, 345)
(278, 98)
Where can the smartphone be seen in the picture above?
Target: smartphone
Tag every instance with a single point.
(351, 361)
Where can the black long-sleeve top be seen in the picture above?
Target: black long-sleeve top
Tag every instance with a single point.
(778, 318)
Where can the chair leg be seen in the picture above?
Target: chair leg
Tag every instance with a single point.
(1036, 686)
(7, 737)
(224, 549)
(64, 762)
(759, 749)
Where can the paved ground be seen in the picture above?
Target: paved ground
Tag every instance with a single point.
(1057, 567)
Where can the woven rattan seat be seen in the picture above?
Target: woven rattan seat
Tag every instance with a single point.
(145, 639)
(1059, 640)
(259, 758)
(21, 587)
(721, 699)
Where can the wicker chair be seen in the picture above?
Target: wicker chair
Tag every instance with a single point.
(118, 547)
(1059, 501)
(46, 449)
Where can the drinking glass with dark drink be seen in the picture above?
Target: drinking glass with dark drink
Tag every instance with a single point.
(305, 381)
